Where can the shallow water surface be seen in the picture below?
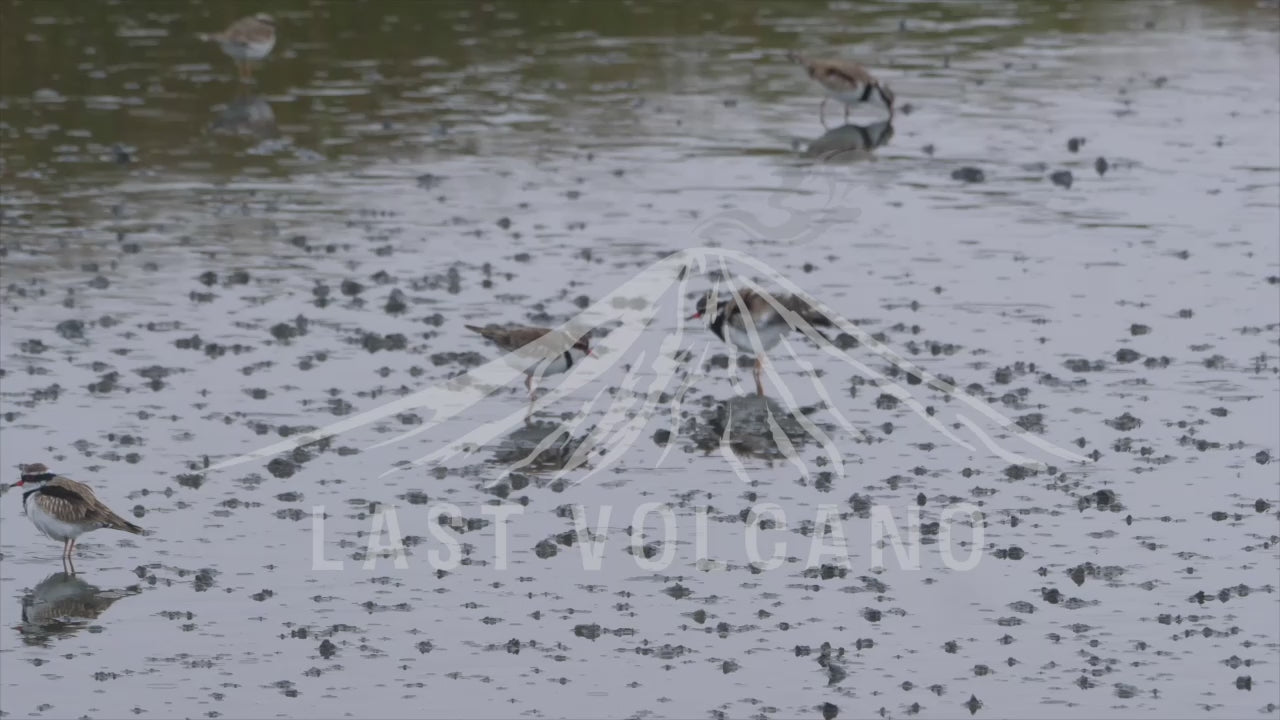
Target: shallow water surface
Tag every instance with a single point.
(195, 270)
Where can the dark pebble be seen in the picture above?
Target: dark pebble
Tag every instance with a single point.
(1062, 178)
(1124, 423)
(886, 402)
(428, 181)
(1074, 144)
(1101, 165)
(1125, 355)
(281, 468)
(968, 174)
(396, 302)
(70, 329)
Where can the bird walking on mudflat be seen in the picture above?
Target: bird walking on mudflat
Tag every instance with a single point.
(64, 509)
(747, 312)
(536, 359)
(246, 40)
(848, 82)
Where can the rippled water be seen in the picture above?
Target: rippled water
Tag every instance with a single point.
(194, 270)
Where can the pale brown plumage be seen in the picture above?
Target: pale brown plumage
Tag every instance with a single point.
(762, 308)
(554, 355)
(728, 319)
(64, 509)
(509, 337)
(245, 40)
(846, 81)
(80, 506)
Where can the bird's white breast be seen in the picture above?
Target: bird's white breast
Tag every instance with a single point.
(252, 50)
(52, 526)
(533, 363)
(770, 332)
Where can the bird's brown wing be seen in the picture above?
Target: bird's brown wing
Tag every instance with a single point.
(61, 500)
(850, 73)
(511, 337)
(247, 30)
(799, 305)
(74, 502)
(835, 75)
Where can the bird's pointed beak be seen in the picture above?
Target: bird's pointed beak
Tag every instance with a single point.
(17, 484)
(592, 353)
(694, 316)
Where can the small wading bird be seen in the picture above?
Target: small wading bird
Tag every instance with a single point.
(246, 40)
(733, 319)
(64, 509)
(848, 82)
(551, 357)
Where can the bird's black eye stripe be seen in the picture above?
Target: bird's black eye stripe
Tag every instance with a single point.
(38, 477)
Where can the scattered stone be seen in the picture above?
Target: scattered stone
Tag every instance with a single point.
(968, 174)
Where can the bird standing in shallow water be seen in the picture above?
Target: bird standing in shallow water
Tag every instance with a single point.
(847, 82)
(733, 320)
(64, 509)
(536, 359)
(246, 40)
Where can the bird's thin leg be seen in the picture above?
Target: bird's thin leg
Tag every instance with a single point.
(68, 566)
(759, 385)
(822, 107)
(66, 549)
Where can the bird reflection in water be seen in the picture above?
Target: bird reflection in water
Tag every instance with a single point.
(247, 115)
(537, 446)
(850, 143)
(62, 605)
(752, 426)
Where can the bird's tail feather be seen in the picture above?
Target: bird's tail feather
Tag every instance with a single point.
(115, 522)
